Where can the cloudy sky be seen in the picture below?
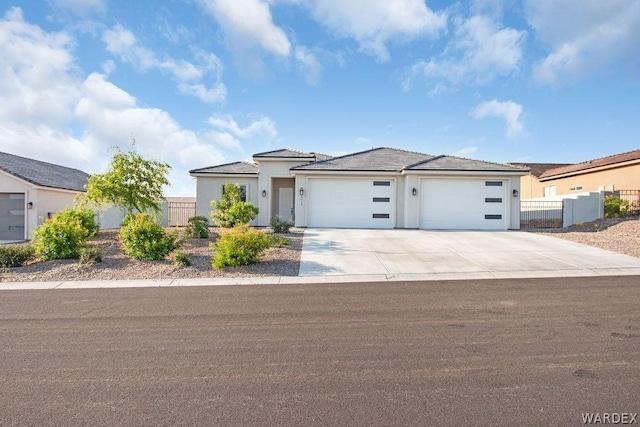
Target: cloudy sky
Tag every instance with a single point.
(203, 82)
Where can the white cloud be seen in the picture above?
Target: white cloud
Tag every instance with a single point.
(584, 35)
(122, 43)
(50, 112)
(37, 72)
(509, 111)
(248, 24)
(478, 52)
(310, 64)
(379, 21)
(263, 127)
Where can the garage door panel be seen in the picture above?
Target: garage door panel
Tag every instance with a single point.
(462, 204)
(12, 216)
(349, 203)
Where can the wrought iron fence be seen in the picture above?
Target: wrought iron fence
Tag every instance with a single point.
(541, 214)
(179, 213)
(630, 196)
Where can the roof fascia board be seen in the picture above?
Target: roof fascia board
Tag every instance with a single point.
(343, 172)
(223, 174)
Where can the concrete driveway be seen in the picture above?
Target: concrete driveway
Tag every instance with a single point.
(360, 255)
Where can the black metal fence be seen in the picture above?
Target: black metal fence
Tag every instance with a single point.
(178, 213)
(630, 196)
(541, 214)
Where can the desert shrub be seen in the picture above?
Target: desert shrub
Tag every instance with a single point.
(85, 216)
(181, 259)
(279, 225)
(197, 228)
(143, 238)
(59, 237)
(231, 210)
(90, 255)
(15, 255)
(615, 207)
(239, 246)
(278, 241)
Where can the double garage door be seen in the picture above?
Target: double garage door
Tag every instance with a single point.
(472, 204)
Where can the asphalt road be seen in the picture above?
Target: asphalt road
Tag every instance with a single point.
(492, 352)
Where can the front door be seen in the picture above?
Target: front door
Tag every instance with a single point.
(285, 203)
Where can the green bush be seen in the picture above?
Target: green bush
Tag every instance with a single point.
(143, 238)
(279, 225)
(90, 255)
(85, 216)
(197, 228)
(615, 207)
(231, 210)
(181, 259)
(15, 255)
(60, 237)
(239, 246)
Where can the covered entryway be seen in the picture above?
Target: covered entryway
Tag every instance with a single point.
(463, 204)
(12, 216)
(350, 203)
(283, 198)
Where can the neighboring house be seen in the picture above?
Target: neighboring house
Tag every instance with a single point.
(530, 185)
(31, 191)
(611, 173)
(377, 188)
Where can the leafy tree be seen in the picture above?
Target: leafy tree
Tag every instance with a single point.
(231, 210)
(132, 183)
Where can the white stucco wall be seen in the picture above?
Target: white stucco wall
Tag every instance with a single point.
(210, 188)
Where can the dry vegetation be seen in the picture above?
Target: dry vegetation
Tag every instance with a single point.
(116, 266)
(618, 235)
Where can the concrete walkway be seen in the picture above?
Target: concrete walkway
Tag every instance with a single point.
(346, 256)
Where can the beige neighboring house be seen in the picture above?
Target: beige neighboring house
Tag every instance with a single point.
(378, 188)
(31, 191)
(611, 173)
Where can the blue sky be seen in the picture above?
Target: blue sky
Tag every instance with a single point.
(204, 82)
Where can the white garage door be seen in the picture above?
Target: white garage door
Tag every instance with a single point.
(350, 203)
(11, 216)
(463, 204)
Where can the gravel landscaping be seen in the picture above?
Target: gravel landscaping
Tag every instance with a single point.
(615, 234)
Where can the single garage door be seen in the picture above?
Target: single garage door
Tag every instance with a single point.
(11, 216)
(463, 204)
(350, 203)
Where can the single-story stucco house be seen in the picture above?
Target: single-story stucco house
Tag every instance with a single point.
(377, 188)
(612, 173)
(31, 191)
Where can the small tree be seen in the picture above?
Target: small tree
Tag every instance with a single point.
(231, 210)
(132, 183)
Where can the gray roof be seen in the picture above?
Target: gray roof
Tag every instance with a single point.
(393, 160)
(286, 153)
(235, 168)
(43, 174)
(452, 163)
(376, 159)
